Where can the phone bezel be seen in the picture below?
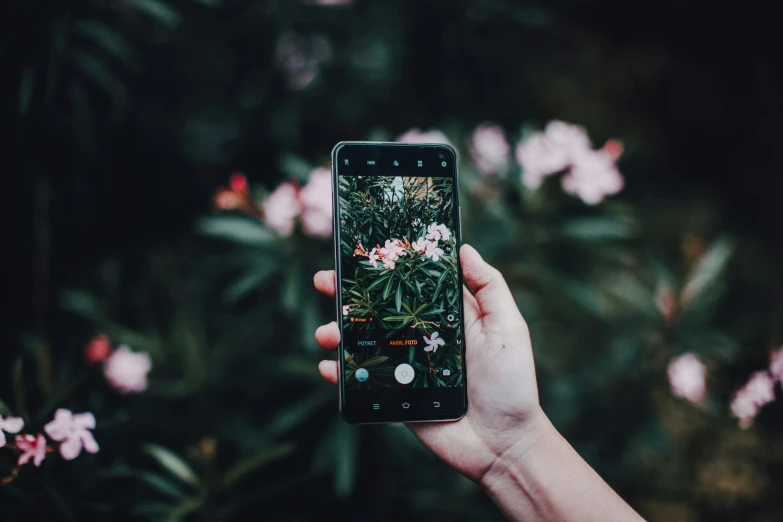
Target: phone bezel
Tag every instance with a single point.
(428, 147)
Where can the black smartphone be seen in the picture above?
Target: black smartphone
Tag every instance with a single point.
(399, 283)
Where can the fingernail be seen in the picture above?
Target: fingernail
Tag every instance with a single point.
(470, 247)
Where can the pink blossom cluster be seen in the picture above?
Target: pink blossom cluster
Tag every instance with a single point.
(758, 391)
(562, 147)
(72, 431)
(388, 254)
(393, 249)
(312, 204)
(490, 149)
(688, 378)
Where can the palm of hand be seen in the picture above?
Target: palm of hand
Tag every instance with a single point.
(502, 398)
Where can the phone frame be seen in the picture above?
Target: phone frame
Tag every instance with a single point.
(445, 417)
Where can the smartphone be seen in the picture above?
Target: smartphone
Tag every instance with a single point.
(399, 283)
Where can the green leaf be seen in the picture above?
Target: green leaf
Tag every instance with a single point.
(250, 281)
(255, 462)
(110, 40)
(706, 272)
(26, 89)
(236, 228)
(159, 10)
(398, 297)
(94, 69)
(345, 459)
(387, 288)
(381, 280)
(81, 303)
(172, 463)
(374, 361)
(598, 229)
(293, 415)
(295, 167)
(185, 508)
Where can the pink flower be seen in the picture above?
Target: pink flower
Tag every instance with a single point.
(73, 433)
(757, 392)
(10, 425)
(373, 257)
(420, 246)
(590, 174)
(489, 149)
(98, 349)
(346, 309)
(316, 200)
(238, 183)
(433, 252)
(688, 378)
(389, 263)
(281, 207)
(592, 177)
(546, 153)
(127, 371)
(438, 232)
(433, 342)
(417, 136)
(776, 365)
(32, 447)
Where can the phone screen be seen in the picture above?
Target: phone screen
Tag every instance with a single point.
(400, 289)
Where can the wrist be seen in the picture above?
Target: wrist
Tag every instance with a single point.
(536, 436)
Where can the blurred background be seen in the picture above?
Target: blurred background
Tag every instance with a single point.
(145, 144)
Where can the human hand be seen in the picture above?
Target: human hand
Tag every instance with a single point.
(503, 409)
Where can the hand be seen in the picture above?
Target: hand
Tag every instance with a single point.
(503, 409)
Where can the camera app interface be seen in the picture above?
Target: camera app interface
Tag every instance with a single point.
(400, 282)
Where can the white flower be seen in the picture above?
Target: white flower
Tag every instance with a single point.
(10, 425)
(126, 370)
(373, 257)
(688, 378)
(433, 232)
(388, 263)
(433, 252)
(445, 233)
(433, 342)
(72, 430)
(346, 309)
(420, 246)
(395, 246)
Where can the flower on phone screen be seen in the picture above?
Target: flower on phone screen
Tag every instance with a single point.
(373, 257)
(433, 341)
(433, 252)
(420, 246)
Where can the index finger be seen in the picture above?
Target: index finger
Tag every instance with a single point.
(325, 282)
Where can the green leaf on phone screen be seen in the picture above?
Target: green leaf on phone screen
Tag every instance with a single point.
(374, 361)
(387, 288)
(398, 297)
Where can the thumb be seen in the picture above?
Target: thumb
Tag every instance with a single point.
(497, 309)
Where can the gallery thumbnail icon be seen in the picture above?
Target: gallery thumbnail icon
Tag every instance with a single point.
(362, 374)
